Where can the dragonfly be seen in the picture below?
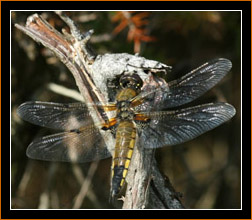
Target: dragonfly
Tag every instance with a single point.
(140, 118)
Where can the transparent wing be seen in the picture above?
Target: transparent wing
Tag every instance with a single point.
(197, 82)
(188, 87)
(82, 143)
(175, 127)
(79, 145)
(57, 115)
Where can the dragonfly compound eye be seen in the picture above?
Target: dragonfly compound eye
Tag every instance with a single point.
(131, 81)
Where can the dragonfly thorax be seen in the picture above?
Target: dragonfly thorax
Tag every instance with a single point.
(131, 85)
(124, 111)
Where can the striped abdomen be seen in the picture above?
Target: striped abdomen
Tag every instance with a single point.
(125, 142)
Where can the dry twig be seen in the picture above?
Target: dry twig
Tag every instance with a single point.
(146, 186)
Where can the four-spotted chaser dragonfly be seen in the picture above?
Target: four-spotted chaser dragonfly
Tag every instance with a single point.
(134, 120)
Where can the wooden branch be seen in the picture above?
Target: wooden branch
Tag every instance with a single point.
(73, 51)
(70, 52)
(147, 188)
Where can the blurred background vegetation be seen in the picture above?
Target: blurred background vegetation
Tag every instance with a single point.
(206, 170)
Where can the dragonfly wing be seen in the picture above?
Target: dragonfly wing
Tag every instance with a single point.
(197, 82)
(185, 89)
(55, 115)
(175, 127)
(79, 145)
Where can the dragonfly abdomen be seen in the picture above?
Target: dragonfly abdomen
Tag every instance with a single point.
(125, 142)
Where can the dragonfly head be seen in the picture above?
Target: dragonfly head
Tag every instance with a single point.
(131, 81)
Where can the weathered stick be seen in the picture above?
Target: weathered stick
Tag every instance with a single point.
(146, 186)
